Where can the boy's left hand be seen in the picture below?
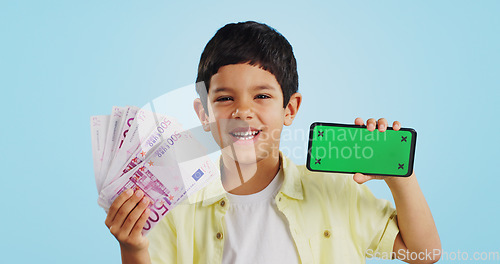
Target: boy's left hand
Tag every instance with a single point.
(371, 125)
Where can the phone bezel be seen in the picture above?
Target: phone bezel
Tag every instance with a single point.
(412, 147)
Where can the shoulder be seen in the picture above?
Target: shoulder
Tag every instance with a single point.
(187, 206)
(340, 185)
(313, 178)
(337, 186)
(313, 184)
(324, 182)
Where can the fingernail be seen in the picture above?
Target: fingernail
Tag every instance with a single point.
(129, 192)
(381, 126)
(139, 193)
(371, 126)
(145, 200)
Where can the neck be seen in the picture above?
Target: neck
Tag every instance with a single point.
(244, 179)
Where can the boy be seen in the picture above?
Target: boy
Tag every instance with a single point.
(264, 208)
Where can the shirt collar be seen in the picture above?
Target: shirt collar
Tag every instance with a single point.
(292, 185)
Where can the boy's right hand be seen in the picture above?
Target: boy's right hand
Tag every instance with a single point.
(126, 218)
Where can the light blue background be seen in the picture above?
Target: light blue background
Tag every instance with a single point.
(433, 65)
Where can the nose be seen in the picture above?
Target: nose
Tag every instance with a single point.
(243, 111)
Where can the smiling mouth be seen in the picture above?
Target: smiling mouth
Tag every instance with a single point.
(245, 135)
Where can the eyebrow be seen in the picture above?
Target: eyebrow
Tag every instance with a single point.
(222, 89)
(226, 89)
(263, 87)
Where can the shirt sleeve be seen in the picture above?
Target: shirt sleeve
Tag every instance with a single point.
(374, 222)
(162, 242)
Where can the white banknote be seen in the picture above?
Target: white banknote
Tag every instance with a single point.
(164, 129)
(112, 136)
(140, 127)
(98, 129)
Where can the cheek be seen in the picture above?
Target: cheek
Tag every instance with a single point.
(274, 121)
(217, 119)
(274, 116)
(214, 129)
(219, 128)
(219, 112)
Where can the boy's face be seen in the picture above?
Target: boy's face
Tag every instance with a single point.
(246, 114)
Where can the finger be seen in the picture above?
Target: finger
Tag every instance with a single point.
(396, 125)
(361, 178)
(126, 208)
(358, 121)
(139, 225)
(132, 218)
(382, 124)
(371, 124)
(115, 206)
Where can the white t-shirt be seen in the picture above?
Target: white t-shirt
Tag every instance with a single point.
(256, 231)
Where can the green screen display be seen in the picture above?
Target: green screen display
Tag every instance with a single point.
(352, 148)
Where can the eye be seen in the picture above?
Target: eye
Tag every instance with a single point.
(223, 99)
(262, 96)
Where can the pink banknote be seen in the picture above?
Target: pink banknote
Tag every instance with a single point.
(175, 170)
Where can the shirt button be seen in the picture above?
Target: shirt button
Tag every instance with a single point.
(219, 235)
(222, 203)
(327, 234)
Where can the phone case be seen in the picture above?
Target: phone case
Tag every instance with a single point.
(349, 148)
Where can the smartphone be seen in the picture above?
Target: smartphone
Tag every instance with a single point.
(349, 148)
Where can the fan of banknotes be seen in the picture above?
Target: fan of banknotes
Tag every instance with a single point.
(134, 148)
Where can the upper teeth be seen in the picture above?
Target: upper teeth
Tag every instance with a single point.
(245, 134)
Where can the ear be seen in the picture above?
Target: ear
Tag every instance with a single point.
(202, 115)
(292, 108)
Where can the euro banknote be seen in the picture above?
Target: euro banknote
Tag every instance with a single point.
(137, 149)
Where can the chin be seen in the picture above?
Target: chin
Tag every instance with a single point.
(247, 155)
(242, 155)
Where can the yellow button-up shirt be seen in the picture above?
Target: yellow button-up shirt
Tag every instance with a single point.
(332, 219)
